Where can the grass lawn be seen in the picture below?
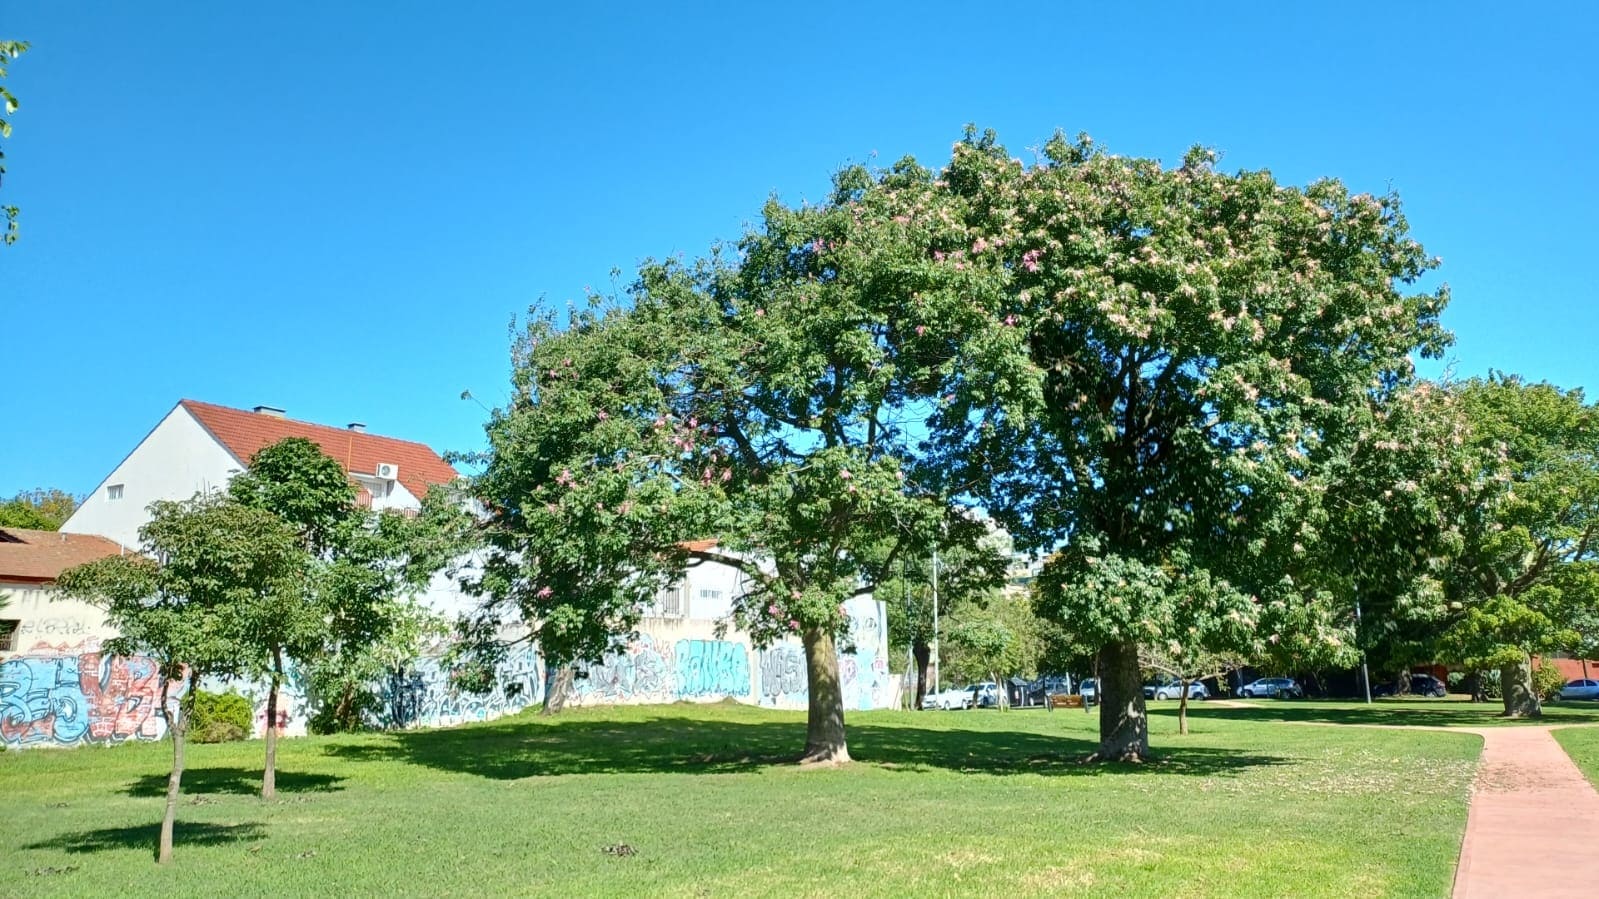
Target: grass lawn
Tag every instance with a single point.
(939, 803)
(1407, 711)
(1582, 744)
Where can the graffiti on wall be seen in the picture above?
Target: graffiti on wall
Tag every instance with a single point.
(55, 696)
(518, 683)
(783, 675)
(639, 671)
(712, 668)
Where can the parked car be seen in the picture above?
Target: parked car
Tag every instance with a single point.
(1581, 688)
(1420, 685)
(1171, 688)
(984, 695)
(952, 698)
(1277, 687)
(1089, 690)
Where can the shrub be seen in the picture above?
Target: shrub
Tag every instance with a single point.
(220, 717)
(1547, 681)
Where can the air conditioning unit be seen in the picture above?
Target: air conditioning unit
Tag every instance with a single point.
(388, 471)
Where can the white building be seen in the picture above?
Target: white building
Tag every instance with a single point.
(198, 447)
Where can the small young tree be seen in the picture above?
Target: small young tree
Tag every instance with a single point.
(364, 567)
(207, 561)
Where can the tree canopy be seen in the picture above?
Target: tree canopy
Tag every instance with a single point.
(1190, 348)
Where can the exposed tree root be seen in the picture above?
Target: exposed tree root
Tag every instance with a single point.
(825, 758)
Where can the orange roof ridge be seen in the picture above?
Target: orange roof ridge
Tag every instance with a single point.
(38, 556)
(245, 433)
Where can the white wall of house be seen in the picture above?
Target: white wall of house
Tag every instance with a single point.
(176, 460)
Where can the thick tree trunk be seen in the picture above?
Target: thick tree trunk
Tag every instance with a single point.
(177, 726)
(923, 654)
(1182, 710)
(1123, 724)
(269, 776)
(557, 686)
(1515, 682)
(824, 722)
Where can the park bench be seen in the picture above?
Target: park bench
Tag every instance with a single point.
(1065, 701)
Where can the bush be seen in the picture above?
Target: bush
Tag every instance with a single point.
(220, 717)
(1547, 681)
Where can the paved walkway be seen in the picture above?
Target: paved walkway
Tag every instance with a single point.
(1532, 816)
(1529, 831)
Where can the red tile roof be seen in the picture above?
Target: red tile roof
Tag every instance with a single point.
(246, 433)
(38, 556)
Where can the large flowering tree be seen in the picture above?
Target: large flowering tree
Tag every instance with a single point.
(1526, 577)
(1174, 356)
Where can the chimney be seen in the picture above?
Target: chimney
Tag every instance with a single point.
(273, 411)
(357, 426)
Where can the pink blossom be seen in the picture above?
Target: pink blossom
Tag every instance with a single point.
(938, 255)
(545, 592)
(979, 245)
(603, 415)
(920, 330)
(760, 313)
(844, 473)
(565, 478)
(1030, 260)
(795, 594)
(793, 625)
(1010, 321)
(772, 610)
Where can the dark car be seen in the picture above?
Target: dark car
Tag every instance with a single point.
(1420, 685)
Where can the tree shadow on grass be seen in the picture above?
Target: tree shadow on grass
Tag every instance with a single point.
(1401, 713)
(669, 742)
(146, 836)
(236, 781)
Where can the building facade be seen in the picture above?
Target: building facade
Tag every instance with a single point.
(676, 655)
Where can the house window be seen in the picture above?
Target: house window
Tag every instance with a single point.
(672, 601)
(113, 491)
(8, 634)
(711, 594)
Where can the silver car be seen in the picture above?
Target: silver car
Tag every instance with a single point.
(1174, 689)
(1277, 687)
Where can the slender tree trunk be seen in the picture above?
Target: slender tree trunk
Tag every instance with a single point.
(824, 722)
(1402, 682)
(269, 776)
(1123, 724)
(1182, 710)
(177, 726)
(1515, 682)
(557, 686)
(1472, 685)
(923, 654)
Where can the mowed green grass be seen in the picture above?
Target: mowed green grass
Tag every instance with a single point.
(1582, 744)
(1402, 711)
(979, 803)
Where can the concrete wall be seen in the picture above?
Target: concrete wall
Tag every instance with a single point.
(58, 689)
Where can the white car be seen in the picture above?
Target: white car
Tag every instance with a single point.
(1580, 689)
(1089, 690)
(953, 698)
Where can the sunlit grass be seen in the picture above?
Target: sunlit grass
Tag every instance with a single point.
(939, 803)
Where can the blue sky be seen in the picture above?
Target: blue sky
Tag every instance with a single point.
(338, 211)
